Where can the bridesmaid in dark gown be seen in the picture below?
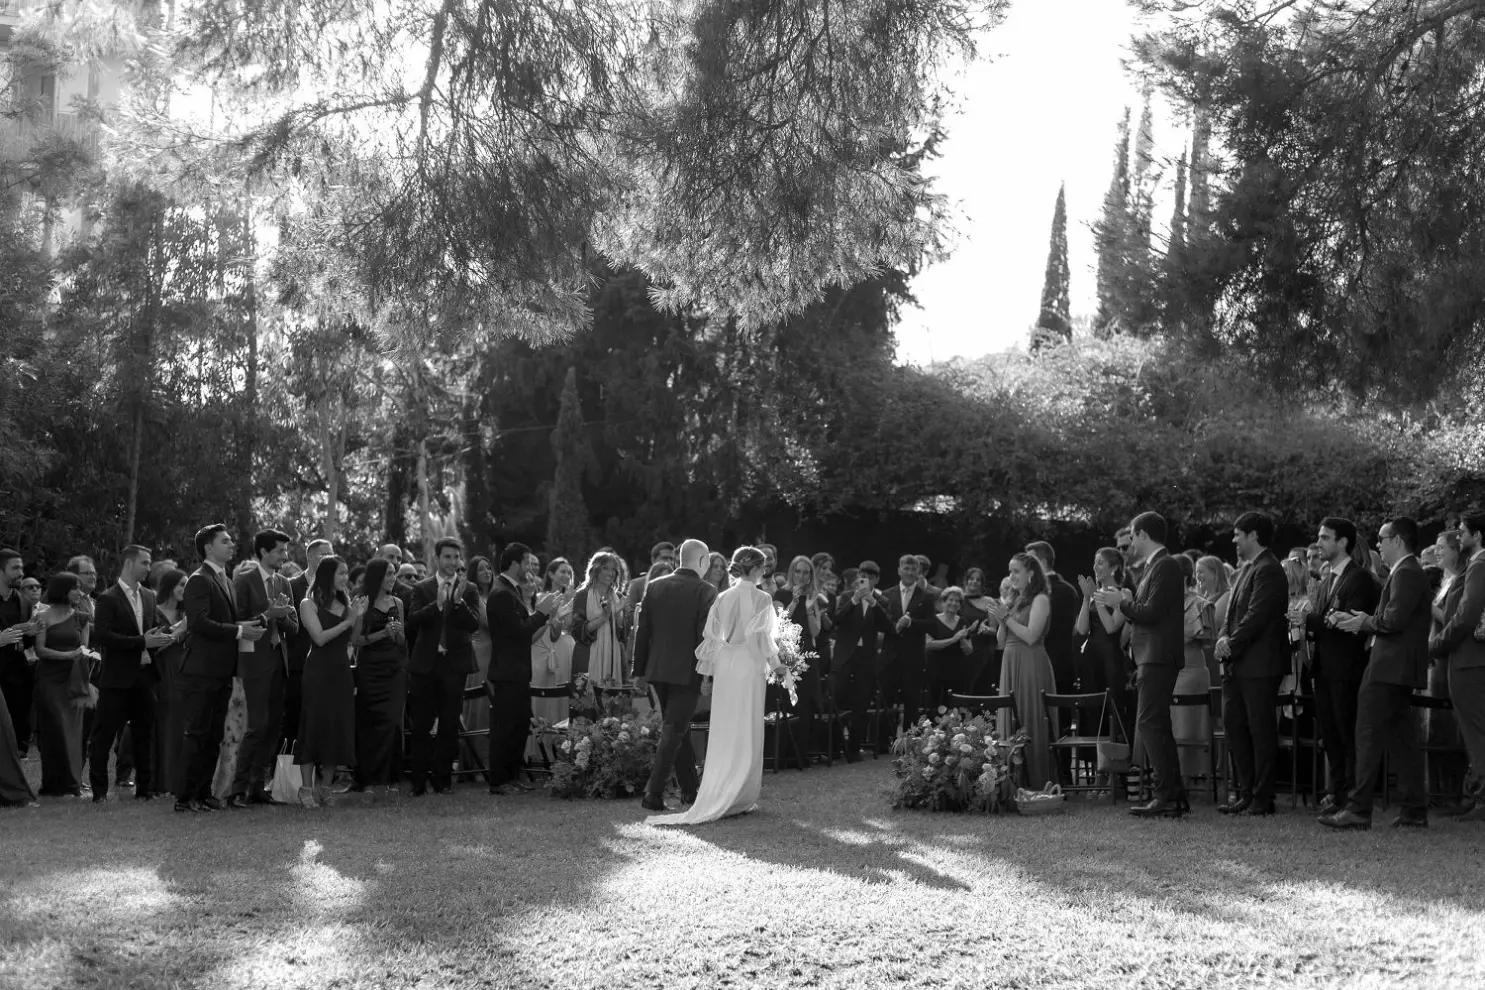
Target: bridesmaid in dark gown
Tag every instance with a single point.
(15, 789)
(171, 592)
(981, 667)
(59, 715)
(1104, 666)
(327, 718)
(381, 681)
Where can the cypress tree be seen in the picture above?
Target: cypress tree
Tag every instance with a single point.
(1054, 323)
(568, 532)
(1111, 234)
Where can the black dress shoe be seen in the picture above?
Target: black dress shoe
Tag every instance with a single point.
(1329, 806)
(443, 790)
(261, 797)
(237, 802)
(99, 798)
(1347, 820)
(1235, 807)
(1258, 811)
(211, 804)
(502, 790)
(1410, 821)
(191, 806)
(148, 796)
(127, 780)
(418, 791)
(1158, 809)
(659, 805)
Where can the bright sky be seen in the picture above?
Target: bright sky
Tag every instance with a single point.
(1043, 109)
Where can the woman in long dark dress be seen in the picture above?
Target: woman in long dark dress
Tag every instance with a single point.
(381, 681)
(15, 789)
(981, 666)
(948, 648)
(802, 601)
(1103, 658)
(59, 708)
(327, 719)
(165, 745)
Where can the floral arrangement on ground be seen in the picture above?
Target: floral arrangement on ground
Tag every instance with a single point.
(605, 757)
(957, 764)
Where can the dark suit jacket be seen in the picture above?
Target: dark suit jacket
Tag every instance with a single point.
(1257, 628)
(1157, 614)
(907, 648)
(427, 622)
(856, 630)
(1456, 640)
(117, 636)
(512, 626)
(299, 644)
(253, 597)
(1066, 601)
(1337, 654)
(672, 623)
(1400, 627)
(212, 623)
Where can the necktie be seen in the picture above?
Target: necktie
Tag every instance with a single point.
(227, 588)
(1327, 588)
(269, 587)
(445, 592)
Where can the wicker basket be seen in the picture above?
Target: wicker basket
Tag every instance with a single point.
(1048, 801)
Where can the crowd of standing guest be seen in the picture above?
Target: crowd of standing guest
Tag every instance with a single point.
(202, 680)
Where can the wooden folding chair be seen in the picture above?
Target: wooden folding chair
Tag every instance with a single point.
(1075, 744)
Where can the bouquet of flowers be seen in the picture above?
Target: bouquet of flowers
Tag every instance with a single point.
(793, 661)
(957, 764)
(606, 757)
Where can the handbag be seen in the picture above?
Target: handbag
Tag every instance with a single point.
(82, 691)
(1480, 629)
(1113, 757)
(287, 778)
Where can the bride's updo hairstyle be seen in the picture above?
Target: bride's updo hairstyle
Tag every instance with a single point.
(746, 560)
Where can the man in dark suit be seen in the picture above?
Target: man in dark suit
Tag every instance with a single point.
(1157, 616)
(445, 610)
(512, 627)
(1385, 722)
(300, 644)
(17, 681)
(125, 629)
(210, 661)
(1066, 602)
(662, 552)
(1253, 650)
(263, 665)
(859, 620)
(672, 621)
(904, 671)
(1338, 658)
(1466, 657)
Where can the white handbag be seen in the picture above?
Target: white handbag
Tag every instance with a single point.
(286, 779)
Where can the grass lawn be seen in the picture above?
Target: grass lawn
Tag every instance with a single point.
(825, 886)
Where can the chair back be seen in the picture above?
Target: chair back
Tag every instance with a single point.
(986, 704)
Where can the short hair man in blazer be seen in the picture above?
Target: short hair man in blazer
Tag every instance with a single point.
(512, 627)
(445, 611)
(1386, 723)
(904, 665)
(860, 620)
(206, 672)
(1338, 658)
(1157, 619)
(262, 592)
(126, 627)
(1465, 654)
(1254, 653)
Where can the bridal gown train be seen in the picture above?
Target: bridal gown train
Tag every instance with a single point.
(736, 651)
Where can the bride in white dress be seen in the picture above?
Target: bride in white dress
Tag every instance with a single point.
(737, 652)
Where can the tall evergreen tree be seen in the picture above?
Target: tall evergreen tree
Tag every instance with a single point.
(1177, 246)
(1054, 323)
(1110, 234)
(568, 531)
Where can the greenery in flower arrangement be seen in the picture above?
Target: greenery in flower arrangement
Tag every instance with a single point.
(606, 757)
(957, 764)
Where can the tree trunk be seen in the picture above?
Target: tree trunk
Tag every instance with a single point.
(249, 439)
(425, 521)
(331, 434)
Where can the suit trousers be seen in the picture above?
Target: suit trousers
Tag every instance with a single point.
(904, 681)
(853, 684)
(1157, 684)
(1387, 724)
(204, 718)
(133, 706)
(264, 694)
(1335, 711)
(439, 695)
(18, 683)
(674, 752)
(1467, 691)
(510, 727)
(1251, 715)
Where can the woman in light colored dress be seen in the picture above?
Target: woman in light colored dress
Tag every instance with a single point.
(597, 609)
(477, 710)
(1025, 668)
(736, 654)
(551, 650)
(1445, 770)
(1190, 724)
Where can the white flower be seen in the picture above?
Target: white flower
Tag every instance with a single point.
(644, 730)
(928, 773)
(934, 758)
(966, 748)
(958, 738)
(952, 760)
(567, 745)
(928, 747)
(623, 737)
(988, 767)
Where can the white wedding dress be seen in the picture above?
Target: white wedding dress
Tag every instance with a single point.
(737, 651)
